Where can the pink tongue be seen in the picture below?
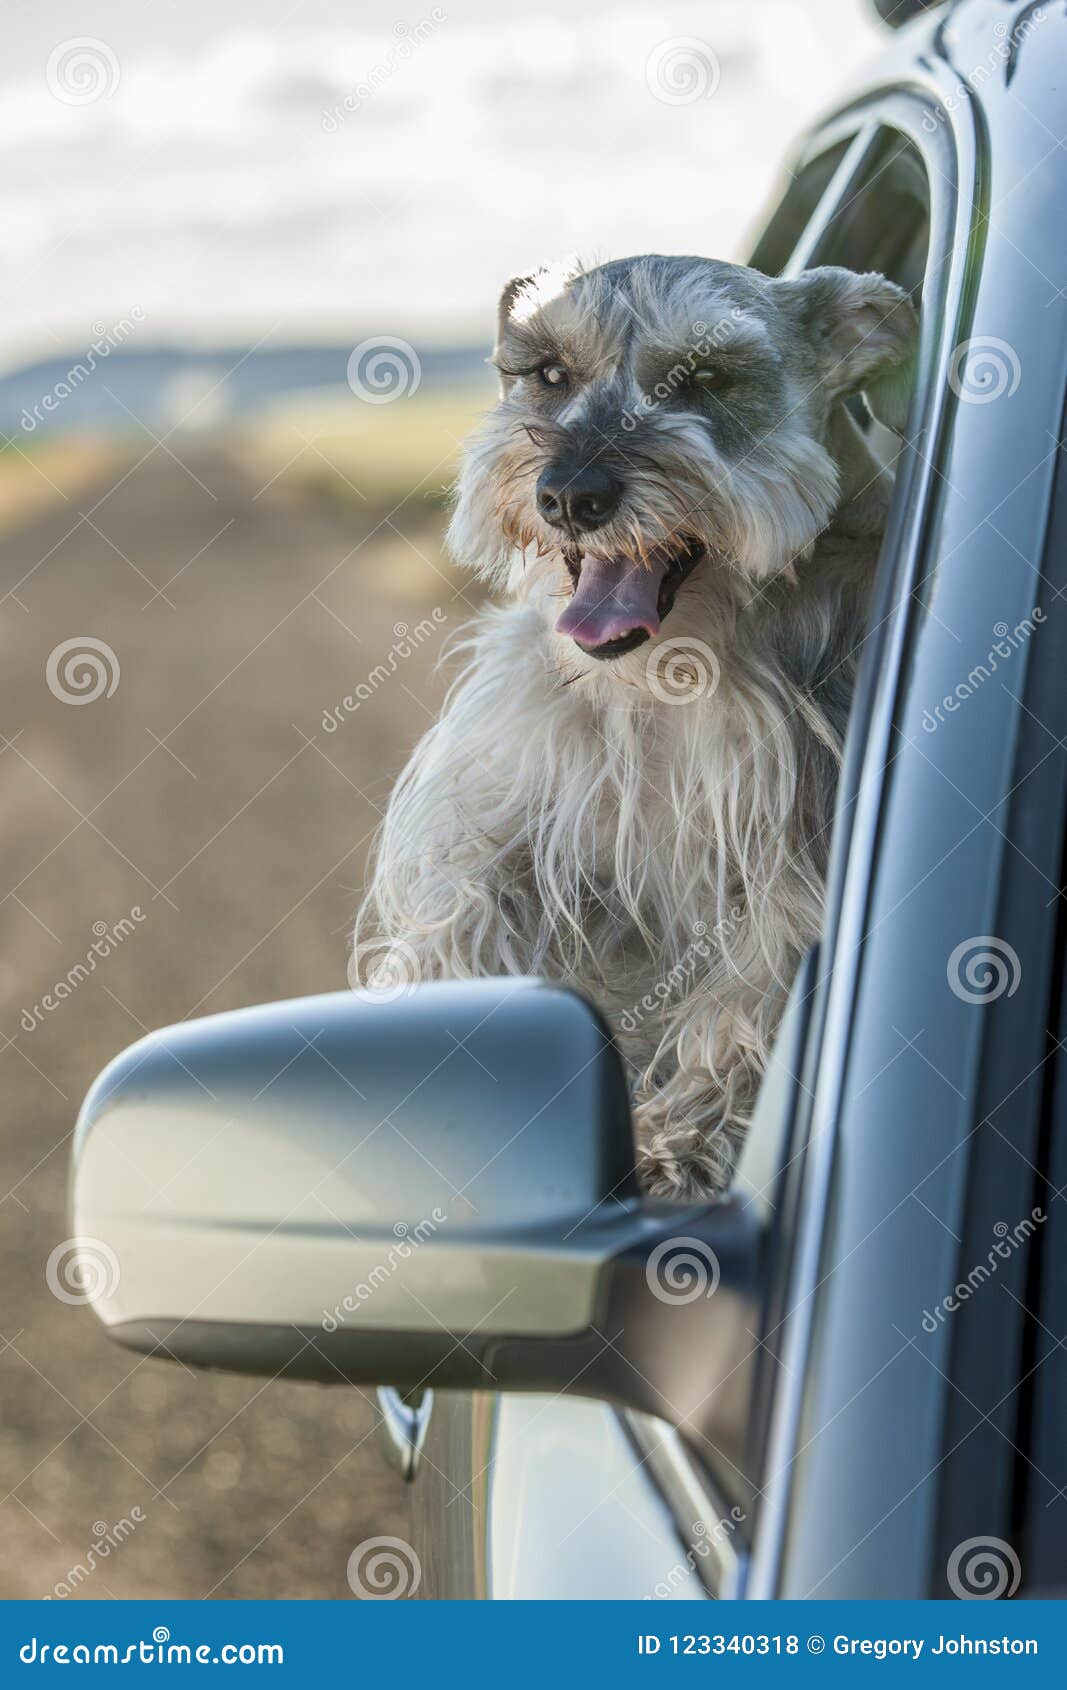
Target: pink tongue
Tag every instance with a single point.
(614, 596)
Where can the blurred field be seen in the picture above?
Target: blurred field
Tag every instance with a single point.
(31, 480)
(245, 582)
(365, 453)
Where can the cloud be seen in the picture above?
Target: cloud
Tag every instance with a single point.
(213, 188)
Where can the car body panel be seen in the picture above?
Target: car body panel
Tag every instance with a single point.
(616, 1538)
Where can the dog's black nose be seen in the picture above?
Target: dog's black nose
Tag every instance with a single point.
(575, 496)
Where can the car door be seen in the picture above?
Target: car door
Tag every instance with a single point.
(860, 1452)
(902, 1454)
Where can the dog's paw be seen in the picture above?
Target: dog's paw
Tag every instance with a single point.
(685, 1167)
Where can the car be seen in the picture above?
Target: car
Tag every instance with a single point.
(849, 1377)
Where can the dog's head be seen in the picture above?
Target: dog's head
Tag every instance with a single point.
(661, 419)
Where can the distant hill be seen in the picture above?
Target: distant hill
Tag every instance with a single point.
(166, 386)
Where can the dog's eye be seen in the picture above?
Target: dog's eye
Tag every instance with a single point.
(553, 375)
(710, 380)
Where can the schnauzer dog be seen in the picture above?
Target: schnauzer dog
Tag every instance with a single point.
(631, 786)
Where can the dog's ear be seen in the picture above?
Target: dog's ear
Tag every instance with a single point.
(516, 289)
(524, 295)
(864, 329)
(512, 292)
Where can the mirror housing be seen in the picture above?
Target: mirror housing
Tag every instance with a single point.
(435, 1188)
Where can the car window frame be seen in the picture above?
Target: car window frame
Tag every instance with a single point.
(949, 155)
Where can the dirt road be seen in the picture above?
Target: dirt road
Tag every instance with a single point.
(205, 794)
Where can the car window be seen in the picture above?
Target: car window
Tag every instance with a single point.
(797, 202)
(882, 221)
(864, 202)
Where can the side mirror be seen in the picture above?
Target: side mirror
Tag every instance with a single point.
(434, 1190)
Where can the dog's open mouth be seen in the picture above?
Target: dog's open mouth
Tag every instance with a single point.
(619, 602)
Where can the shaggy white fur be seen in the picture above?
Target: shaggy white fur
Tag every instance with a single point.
(654, 829)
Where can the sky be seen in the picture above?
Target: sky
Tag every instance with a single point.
(305, 169)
